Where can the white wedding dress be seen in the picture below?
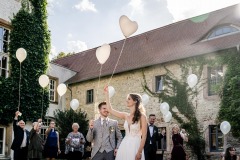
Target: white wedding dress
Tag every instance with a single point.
(130, 143)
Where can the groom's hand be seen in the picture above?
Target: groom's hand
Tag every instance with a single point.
(115, 152)
(91, 124)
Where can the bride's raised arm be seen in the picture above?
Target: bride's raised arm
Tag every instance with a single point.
(114, 112)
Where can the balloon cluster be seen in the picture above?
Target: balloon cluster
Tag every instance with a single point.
(164, 108)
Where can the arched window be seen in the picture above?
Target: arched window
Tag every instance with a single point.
(223, 30)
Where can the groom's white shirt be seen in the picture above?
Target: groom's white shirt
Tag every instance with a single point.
(150, 130)
(107, 119)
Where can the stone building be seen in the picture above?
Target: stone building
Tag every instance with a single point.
(155, 53)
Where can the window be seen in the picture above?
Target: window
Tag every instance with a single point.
(4, 40)
(44, 127)
(159, 84)
(162, 144)
(215, 77)
(2, 140)
(223, 30)
(4, 66)
(52, 90)
(215, 138)
(90, 96)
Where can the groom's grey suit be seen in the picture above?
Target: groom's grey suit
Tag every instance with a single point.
(103, 137)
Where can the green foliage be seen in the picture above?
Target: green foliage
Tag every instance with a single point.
(29, 31)
(63, 54)
(177, 93)
(65, 119)
(230, 95)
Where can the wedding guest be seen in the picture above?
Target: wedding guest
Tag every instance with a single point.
(230, 154)
(104, 134)
(35, 148)
(163, 139)
(75, 143)
(150, 147)
(21, 139)
(52, 146)
(178, 152)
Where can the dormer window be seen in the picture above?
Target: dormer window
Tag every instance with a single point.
(222, 31)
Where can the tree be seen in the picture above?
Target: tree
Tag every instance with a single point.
(63, 54)
(29, 31)
(230, 96)
(65, 119)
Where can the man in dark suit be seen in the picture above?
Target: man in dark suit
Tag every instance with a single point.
(21, 139)
(150, 147)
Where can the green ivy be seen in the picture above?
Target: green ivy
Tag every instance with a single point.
(230, 94)
(65, 119)
(29, 31)
(177, 93)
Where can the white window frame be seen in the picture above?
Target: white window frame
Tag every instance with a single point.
(53, 90)
(4, 55)
(4, 141)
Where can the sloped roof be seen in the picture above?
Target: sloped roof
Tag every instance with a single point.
(172, 42)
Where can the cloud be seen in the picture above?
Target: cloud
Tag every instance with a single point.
(69, 35)
(136, 5)
(86, 5)
(53, 52)
(76, 46)
(51, 5)
(186, 8)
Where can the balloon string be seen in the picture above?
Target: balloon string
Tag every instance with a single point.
(99, 78)
(117, 61)
(42, 104)
(19, 88)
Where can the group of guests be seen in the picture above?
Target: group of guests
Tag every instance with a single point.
(30, 145)
(139, 143)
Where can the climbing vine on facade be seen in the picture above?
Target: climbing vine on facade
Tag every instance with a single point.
(29, 31)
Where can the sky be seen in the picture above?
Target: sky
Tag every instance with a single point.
(78, 25)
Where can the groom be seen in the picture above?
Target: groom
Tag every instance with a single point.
(103, 133)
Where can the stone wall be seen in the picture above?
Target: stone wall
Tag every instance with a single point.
(129, 82)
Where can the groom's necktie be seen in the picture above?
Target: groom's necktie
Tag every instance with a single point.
(104, 123)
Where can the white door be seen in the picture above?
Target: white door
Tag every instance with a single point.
(2, 140)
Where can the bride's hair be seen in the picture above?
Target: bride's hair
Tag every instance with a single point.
(139, 109)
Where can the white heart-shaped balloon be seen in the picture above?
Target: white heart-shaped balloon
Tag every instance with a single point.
(21, 54)
(61, 89)
(111, 91)
(103, 53)
(145, 99)
(43, 80)
(192, 80)
(225, 127)
(164, 108)
(127, 26)
(74, 104)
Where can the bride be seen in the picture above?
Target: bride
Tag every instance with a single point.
(135, 125)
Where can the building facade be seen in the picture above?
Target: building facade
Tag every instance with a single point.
(147, 59)
(57, 74)
(7, 9)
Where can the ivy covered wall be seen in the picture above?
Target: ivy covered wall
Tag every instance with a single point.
(29, 31)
